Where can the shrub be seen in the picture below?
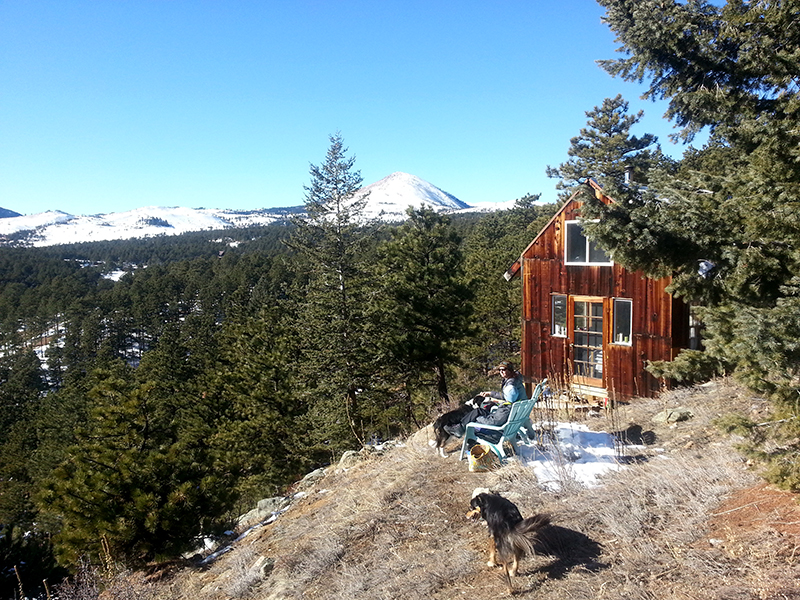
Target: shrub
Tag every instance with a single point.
(690, 366)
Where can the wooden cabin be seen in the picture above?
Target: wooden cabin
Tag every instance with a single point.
(587, 323)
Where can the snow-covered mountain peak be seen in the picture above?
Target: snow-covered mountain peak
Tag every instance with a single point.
(391, 196)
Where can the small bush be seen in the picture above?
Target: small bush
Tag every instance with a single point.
(736, 424)
(690, 366)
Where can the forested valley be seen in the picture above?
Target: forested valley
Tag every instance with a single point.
(223, 366)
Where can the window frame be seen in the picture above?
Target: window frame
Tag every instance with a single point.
(554, 332)
(620, 338)
(570, 225)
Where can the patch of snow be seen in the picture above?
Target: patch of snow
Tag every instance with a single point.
(114, 275)
(573, 454)
(489, 206)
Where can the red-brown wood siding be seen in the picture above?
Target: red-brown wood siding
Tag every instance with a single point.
(659, 322)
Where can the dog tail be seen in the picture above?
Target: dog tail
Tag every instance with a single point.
(521, 539)
(533, 524)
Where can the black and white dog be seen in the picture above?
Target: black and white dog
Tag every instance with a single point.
(512, 536)
(452, 419)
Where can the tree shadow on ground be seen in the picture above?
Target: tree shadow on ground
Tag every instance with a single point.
(634, 435)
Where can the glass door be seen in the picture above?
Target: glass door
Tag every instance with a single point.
(587, 341)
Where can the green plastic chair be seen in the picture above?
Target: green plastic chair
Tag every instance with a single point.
(518, 417)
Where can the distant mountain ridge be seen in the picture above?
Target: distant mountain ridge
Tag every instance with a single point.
(388, 200)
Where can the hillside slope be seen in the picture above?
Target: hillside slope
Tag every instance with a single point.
(685, 519)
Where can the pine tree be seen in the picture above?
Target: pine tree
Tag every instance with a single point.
(253, 387)
(140, 472)
(22, 383)
(725, 223)
(606, 150)
(425, 302)
(337, 356)
(731, 204)
(625, 166)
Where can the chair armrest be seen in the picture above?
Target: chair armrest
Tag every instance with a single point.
(474, 426)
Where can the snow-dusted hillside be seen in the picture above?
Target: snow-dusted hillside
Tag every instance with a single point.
(56, 227)
(388, 200)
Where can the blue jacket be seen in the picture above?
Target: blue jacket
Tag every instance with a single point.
(512, 389)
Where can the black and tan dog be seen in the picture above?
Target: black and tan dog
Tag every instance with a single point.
(512, 536)
(452, 419)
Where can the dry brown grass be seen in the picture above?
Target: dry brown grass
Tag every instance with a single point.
(673, 525)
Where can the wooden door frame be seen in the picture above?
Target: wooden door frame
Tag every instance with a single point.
(603, 301)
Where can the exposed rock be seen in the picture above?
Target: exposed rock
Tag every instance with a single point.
(349, 459)
(673, 415)
(310, 479)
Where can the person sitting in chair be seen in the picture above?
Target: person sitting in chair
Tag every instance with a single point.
(497, 406)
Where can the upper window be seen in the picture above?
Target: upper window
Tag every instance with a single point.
(580, 250)
(623, 311)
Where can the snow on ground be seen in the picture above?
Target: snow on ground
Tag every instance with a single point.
(563, 455)
(489, 206)
(115, 275)
(572, 454)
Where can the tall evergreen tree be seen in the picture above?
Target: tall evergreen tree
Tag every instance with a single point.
(22, 382)
(338, 360)
(725, 223)
(424, 289)
(22, 385)
(607, 151)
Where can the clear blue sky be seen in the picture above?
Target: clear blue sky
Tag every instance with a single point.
(109, 105)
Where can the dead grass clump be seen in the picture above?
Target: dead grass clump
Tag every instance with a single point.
(672, 492)
(247, 568)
